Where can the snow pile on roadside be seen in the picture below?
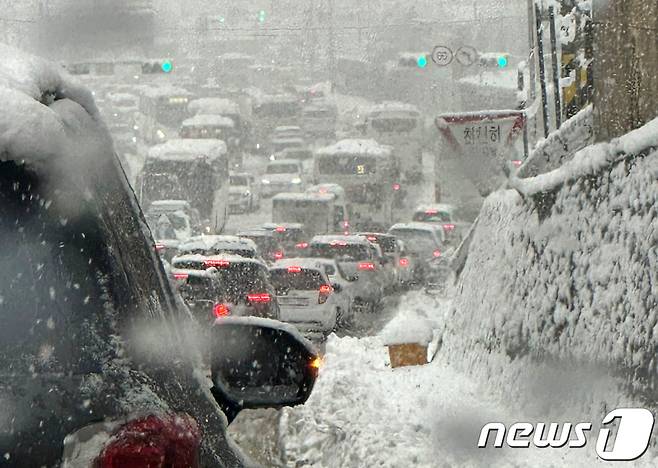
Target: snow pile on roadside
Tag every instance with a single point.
(557, 302)
(362, 413)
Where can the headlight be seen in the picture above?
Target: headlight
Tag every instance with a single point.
(160, 134)
(246, 194)
(265, 182)
(296, 180)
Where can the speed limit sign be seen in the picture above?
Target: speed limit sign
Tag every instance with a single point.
(442, 55)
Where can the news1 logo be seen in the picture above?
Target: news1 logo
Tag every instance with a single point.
(631, 442)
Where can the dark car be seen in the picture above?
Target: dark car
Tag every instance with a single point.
(96, 362)
(269, 245)
(230, 286)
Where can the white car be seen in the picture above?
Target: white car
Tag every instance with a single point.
(285, 175)
(219, 244)
(306, 297)
(347, 290)
(445, 215)
(356, 257)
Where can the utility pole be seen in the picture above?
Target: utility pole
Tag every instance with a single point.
(542, 68)
(556, 68)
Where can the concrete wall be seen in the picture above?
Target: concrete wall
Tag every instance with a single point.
(626, 65)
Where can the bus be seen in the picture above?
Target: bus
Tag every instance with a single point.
(269, 112)
(203, 126)
(192, 170)
(401, 126)
(365, 169)
(236, 111)
(161, 112)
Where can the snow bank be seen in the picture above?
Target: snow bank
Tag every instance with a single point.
(362, 413)
(558, 304)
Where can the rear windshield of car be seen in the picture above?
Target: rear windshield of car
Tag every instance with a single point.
(264, 244)
(387, 244)
(304, 280)
(282, 169)
(432, 217)
(416, 240)
(241, 278)
(199, 288)
(341, 252)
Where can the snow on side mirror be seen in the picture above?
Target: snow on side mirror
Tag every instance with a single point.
(260, 363)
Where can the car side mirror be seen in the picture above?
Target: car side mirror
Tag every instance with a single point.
(337, 287)
(260, 363)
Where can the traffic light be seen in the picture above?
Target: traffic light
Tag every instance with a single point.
(157, 66)
(262, 16)
(502, 61)
(421, 61)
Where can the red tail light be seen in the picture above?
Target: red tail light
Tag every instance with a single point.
(517, 163)
(294, 269)
(404, 262)
(372, 238)
(278, 255)
(396, 187)
(325, 292)
(280, 229)
(431, 212)
(436, 253)
(346, 224)
(338, 244)
(302, 245)
(181, 276)
(366, 266)
(448, 227)
(221, 310)
(159, 247)
(260, 298)
(216, 263)
(154, 442)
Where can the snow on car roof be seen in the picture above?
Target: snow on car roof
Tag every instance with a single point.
(288, 128)
(303, 262)
(208, 119)
(213, 106)
(120, 96)
(414, 227)
(274, 98)
(165, 91)
(170, 204)
(328, 239)
(326, 188)
(438, 207)
(210, 242)
(33, 126)
(236, 55)
(256, 232)
(287, 226)
(296, 196)
(186, 148)
(356, 146)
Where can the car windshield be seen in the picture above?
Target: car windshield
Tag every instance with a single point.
(282, 169)
(416, 240)
(296, 279)
(241, 278)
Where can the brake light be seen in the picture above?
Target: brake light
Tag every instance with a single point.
(302, 245)
(278, 255)
(436, 253)
(216, 263)
(338, 243)
(261, 298)
(153, 441)
(280, 229)
(371, 238)
(181, 276)
(325, 292)
(294, 269)
(159, 247)
(431, 212)
(517, 163)
(221, 310)
(396, 187)
(404, 262)
(366, 266)
(448, 227)
(346, 224)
